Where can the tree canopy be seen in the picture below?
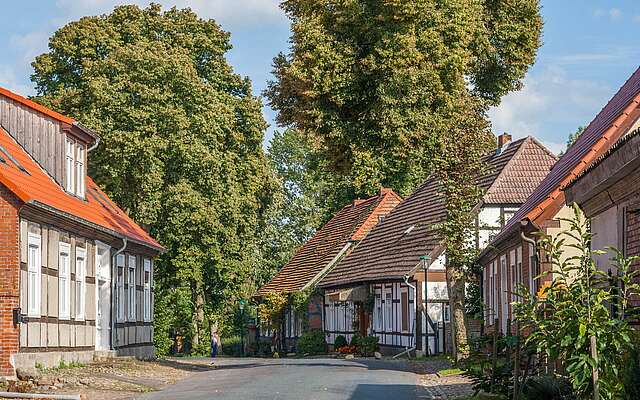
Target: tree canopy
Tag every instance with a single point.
(181, 146)
(373, 83)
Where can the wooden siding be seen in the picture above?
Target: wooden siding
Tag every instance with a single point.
(41, 136)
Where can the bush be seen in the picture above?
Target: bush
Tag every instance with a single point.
(354, 340)
(312, 342)
(340, 341)
(232, 346)
(548, 387)
(631, 374)
(368, 345)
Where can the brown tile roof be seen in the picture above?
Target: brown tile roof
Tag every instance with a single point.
(394, 247)
(350, 224)
(601, 133)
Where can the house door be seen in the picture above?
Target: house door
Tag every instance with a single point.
(103, 297)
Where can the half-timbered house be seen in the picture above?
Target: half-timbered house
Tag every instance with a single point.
(316, 257)
(75, 270)
(382, 289)
(513, 258)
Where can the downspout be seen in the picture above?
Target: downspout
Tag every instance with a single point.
(114, 278)
(408, 351)
(94, 145)
(534, 243)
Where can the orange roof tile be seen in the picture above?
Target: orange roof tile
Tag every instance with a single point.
(350, 224)
(37, 187)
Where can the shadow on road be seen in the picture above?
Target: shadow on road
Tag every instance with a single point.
(372, 365)
(382, 392)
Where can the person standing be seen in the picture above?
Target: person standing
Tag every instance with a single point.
(215, 343)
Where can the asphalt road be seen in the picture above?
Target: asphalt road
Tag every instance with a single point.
(284, 379)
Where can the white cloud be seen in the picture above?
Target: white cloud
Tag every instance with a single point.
(550, 101)
(9, 80)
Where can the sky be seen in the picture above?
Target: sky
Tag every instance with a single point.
(589, 49)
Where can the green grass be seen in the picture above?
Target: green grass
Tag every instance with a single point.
(450, 371)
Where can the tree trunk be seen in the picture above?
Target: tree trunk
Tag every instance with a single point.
(197, 319)
(455, 284)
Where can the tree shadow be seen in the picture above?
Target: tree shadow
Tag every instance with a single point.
(369, 391)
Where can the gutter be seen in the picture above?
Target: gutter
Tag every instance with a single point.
(92, 225)
(114, 279)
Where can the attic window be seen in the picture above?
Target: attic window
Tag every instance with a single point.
(380, 218)
(408, 230)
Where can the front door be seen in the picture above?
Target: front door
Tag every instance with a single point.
(103, 297)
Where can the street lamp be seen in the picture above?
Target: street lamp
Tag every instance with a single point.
(425, 260)
(241, 306)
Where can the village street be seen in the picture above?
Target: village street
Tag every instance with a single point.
(283, 379)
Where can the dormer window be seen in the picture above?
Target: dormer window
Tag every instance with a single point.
(74, 167)
(69, 166)
(80, 170)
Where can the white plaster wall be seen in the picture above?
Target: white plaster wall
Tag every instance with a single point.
(605, 229)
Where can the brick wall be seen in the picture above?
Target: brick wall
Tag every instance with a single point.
(633, 237)
(9, 278)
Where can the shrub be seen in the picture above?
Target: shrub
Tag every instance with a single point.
(340, 341)
(312, 342)
(368, 345)
(232, 346)
(631, 374)
(354, 340)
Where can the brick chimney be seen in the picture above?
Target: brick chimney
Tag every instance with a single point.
(503, 139)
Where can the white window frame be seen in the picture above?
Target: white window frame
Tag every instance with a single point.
(378, 315)
(70, 164)
(34, 279)
(120, 269)
(147, 289)
(80, 170)
(388, 311)
(64, 281)
(81, 283)
(131, 293)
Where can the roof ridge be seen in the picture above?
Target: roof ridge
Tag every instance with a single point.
(502, 173)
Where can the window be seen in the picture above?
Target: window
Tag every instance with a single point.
(388, 304)
(120, 288)
(81, 284)
(378, 315)
(69, 172)
(404, 304)
(132, 288)
(80, 174)
(34, 266)
(147, 289)
(64, 280)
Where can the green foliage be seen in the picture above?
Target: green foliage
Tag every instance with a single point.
(480, 369)
(271, 310)
(312, 342)
(374, 84)
(574, 136)
(355, 340)
(340, 341)
(575, 307)
(181, 147)
(232, 346)
(631, 371)
(368, 345)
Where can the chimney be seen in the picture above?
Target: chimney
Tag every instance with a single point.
(503, 139)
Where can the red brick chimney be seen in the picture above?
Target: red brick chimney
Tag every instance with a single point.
(503, 139)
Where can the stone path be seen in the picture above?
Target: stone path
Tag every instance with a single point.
(441, 388)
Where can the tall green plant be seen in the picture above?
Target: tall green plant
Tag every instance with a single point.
(576, 306)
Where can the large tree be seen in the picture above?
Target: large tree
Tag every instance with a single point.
(181, 146)
(388, 90)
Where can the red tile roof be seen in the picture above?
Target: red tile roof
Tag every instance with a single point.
(34, 186)
(393, 248)
(602, 132)
(350, 224)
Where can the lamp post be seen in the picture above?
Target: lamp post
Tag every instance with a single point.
(424, 260)
(241, 306)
